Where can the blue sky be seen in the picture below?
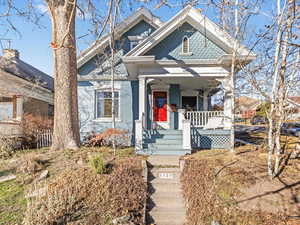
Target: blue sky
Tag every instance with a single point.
(33, 42)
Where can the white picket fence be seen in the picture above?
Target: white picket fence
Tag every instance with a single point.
(44, 138)
(200, 118)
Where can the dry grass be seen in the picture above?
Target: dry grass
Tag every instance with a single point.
(82, 196)
(103, 197)
(222, 186)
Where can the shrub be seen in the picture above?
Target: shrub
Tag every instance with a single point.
(32, 125)
(106, 138)
(98, 165)
(7, 146)
(30, 163)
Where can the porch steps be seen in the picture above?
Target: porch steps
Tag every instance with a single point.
(166, 205)
(163, 142)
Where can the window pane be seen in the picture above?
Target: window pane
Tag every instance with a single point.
(100, 94)
(107, 108)
(185, 45)
(107, 95)
(100, 108)
(104, 104)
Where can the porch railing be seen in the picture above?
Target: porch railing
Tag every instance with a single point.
(200, 118)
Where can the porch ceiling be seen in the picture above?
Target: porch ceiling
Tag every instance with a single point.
(189, 83)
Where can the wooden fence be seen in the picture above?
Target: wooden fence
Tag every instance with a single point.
(44, 138)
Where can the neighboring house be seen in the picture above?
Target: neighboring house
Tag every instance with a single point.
(165, 76)
(23, 89)
(246, 107)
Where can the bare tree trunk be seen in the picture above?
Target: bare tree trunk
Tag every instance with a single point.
(112, 70)
(271, 117)
(282, 87)
(232, 76)
(66, 125)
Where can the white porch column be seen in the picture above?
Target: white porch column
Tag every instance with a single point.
(19, 107)
(186, 132)
(142, 100)
(181, 113)
(205, 100)
(228, 103)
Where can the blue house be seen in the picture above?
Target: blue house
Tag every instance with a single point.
(164, 77)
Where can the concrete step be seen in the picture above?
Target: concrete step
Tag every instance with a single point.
(165, 199)
(168, 216)
(171, 153)
(166, 169)
(174, 175)
(164, 187)
(165, 146)
(158, 180)
(163, 160)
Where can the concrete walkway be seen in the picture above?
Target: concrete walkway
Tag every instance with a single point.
(166, 204)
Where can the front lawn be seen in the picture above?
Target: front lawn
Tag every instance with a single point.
(75, 193)
(235, 189)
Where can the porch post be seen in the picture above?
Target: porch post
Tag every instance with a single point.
(181, 113)
(205, 100)
(19, 107)
(228, 104)
(142, 101)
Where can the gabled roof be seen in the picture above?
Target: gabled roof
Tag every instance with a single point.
(200, 22)
(127, 24)
(19, 68)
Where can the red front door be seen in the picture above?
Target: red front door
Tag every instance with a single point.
(160, 106)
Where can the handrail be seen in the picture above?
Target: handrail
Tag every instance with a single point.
(200, 118)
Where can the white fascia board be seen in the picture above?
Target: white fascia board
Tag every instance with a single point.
(227, 59)
(215, 33)
(191, 15)
(141, 14)
(139, 59)
(170, 75)
(159, 34)
(180, 70)
(188, 62)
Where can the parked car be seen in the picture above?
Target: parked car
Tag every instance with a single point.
(256, 120)
(291, 129)
(239, 120)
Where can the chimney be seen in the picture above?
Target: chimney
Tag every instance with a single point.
(11, 53)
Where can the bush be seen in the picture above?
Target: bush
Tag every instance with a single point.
(7, 146)
(106, 138)
(30, 163)
(98, 165)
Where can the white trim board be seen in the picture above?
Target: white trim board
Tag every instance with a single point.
(127, 24)
(199, 21)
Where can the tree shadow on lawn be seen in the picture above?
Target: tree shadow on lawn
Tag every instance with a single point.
(275, 196)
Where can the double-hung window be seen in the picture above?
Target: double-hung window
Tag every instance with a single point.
(104, 104)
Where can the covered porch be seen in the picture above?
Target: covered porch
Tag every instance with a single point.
(177, 112)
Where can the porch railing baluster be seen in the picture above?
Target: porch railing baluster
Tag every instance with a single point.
(200, 118)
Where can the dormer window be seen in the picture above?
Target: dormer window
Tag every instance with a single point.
(133, 44)
(135, 40)
(185, 45)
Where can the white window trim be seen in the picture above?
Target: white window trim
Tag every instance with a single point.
(132, 43)
(182, 48)
(107, 119)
